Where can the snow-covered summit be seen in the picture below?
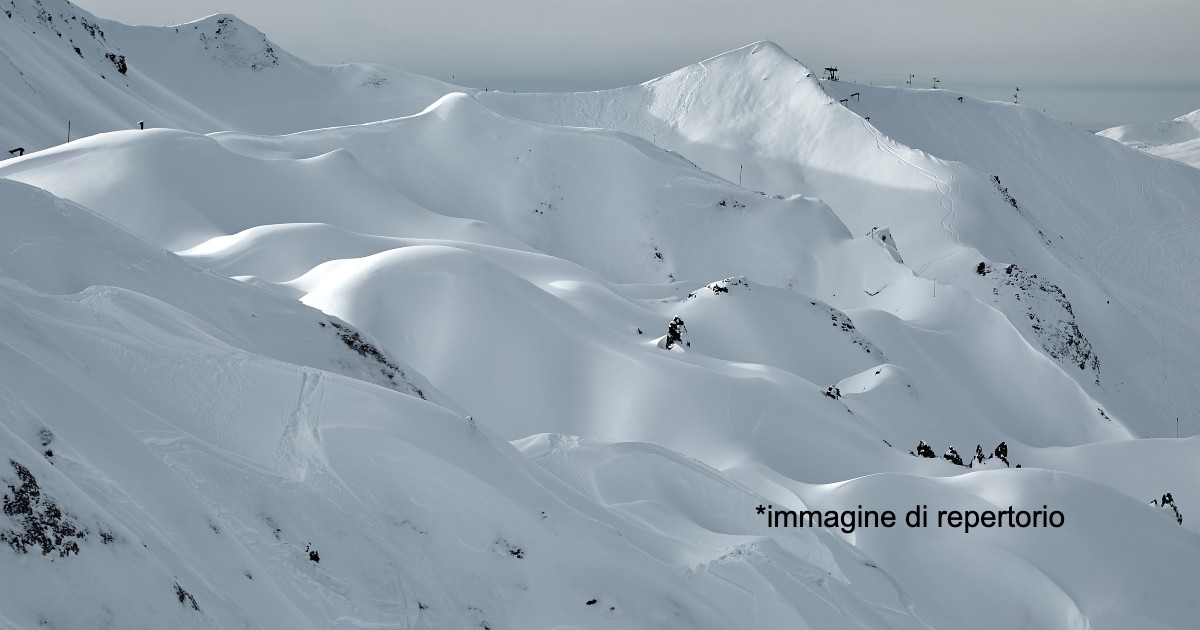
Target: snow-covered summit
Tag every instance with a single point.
(233, 43)
(751, 58)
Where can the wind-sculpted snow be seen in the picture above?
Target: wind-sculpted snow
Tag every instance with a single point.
(135, 176)
(453, 360)
(795, 245)
(209, 468)
(552, 188)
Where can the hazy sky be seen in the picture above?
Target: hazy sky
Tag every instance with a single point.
(1095, 62)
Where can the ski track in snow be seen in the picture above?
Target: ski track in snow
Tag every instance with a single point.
(947, 201)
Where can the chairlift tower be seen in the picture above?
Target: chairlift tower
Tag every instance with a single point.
(831, 73)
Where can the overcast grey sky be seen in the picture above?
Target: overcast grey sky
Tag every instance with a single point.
(1095, 62)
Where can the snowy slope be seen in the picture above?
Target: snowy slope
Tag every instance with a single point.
(689, 236)
(1114, 226)
(1186, 152)
(182, 458)
(1177, 139)
(1097, 249)
(408, 368)
(305, 445)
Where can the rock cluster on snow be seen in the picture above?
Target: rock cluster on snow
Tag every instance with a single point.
(38, 523)
(951, 455)
(1050, 315)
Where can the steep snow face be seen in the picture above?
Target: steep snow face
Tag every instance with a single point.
(61, 66)
(1177, 139)
(441, 393)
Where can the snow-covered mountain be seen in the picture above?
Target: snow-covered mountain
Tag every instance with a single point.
(324, 351)
(1092, 242)
(61, 65)
(1177, 139)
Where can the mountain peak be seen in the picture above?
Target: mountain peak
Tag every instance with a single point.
(235, 43)
(763, 47)
(761, 54)
(758, 61)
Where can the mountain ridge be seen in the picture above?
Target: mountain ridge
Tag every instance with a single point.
(212, 74)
